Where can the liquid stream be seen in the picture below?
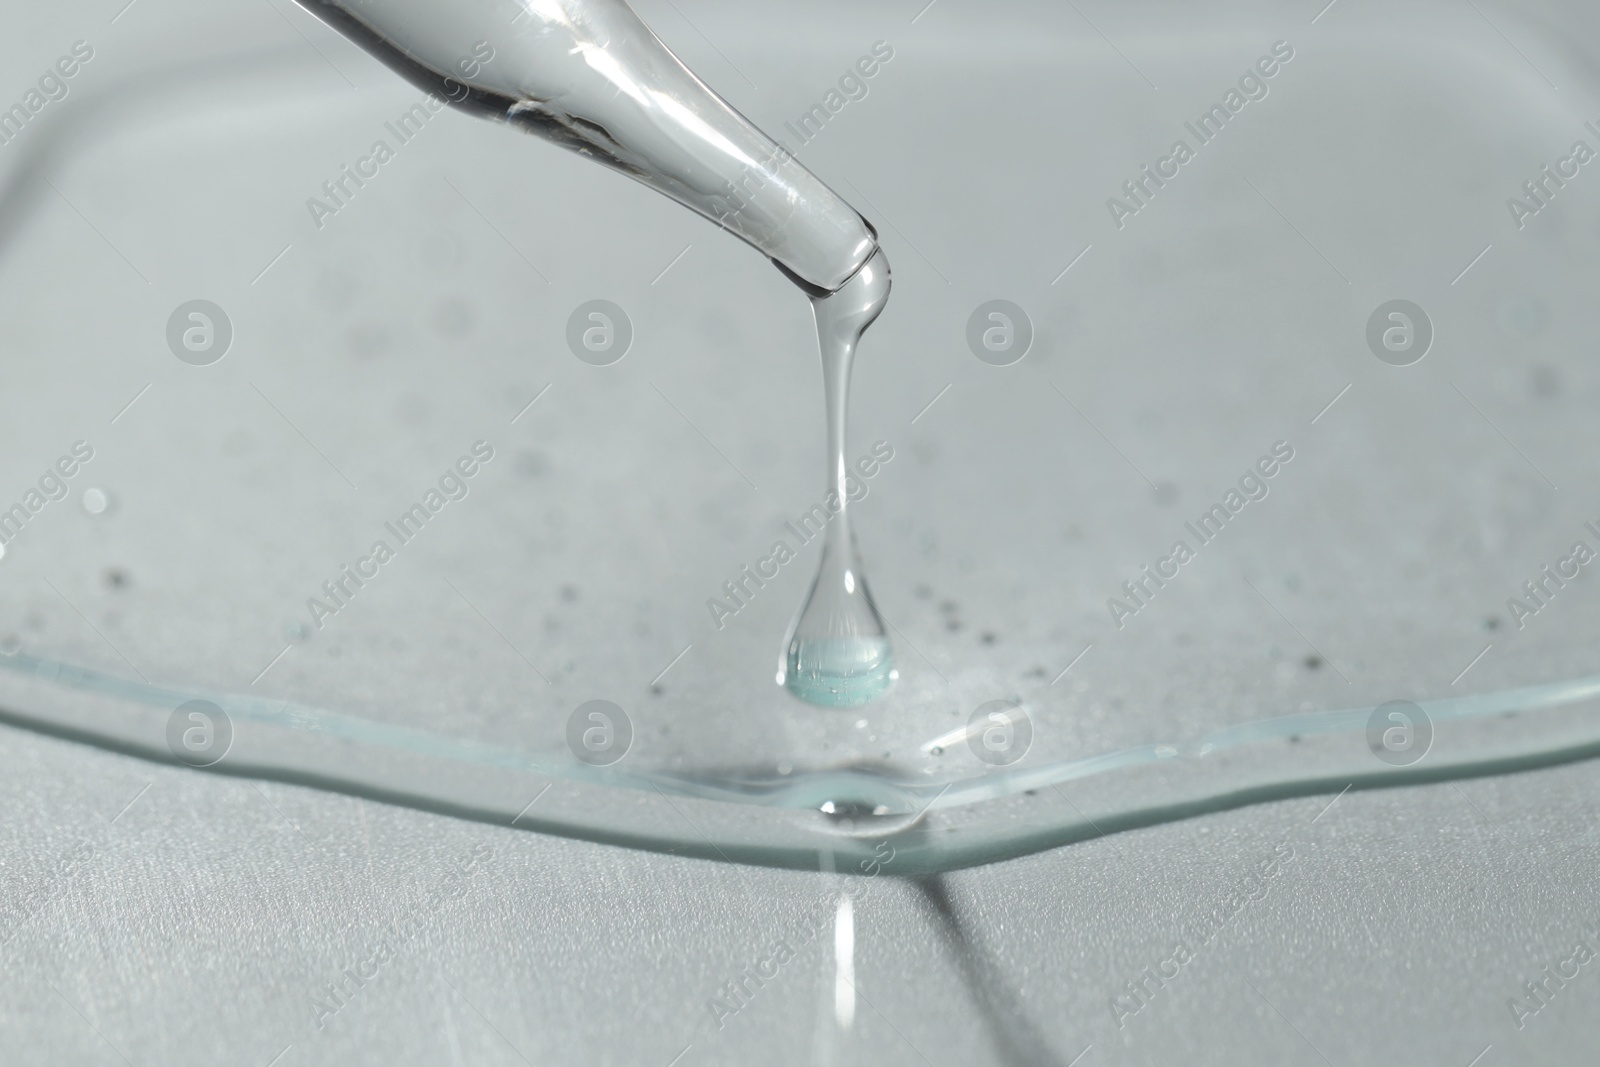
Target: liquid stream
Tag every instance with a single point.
(590, 76)
(837, 653)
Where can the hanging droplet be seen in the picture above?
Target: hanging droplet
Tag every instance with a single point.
(838, 652)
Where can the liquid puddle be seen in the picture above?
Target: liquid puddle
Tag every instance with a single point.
(790, 819)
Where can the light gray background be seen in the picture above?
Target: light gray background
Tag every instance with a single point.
(202, 917)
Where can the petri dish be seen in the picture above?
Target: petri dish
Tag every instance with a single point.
(1381, 516)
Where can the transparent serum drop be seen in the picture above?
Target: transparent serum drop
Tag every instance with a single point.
(837, 653)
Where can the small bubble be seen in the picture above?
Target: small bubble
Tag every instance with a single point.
(839, 672)
(96, 501)
(936, 750)
(297, 631)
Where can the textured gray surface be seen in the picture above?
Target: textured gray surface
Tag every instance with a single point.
(198, 926)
